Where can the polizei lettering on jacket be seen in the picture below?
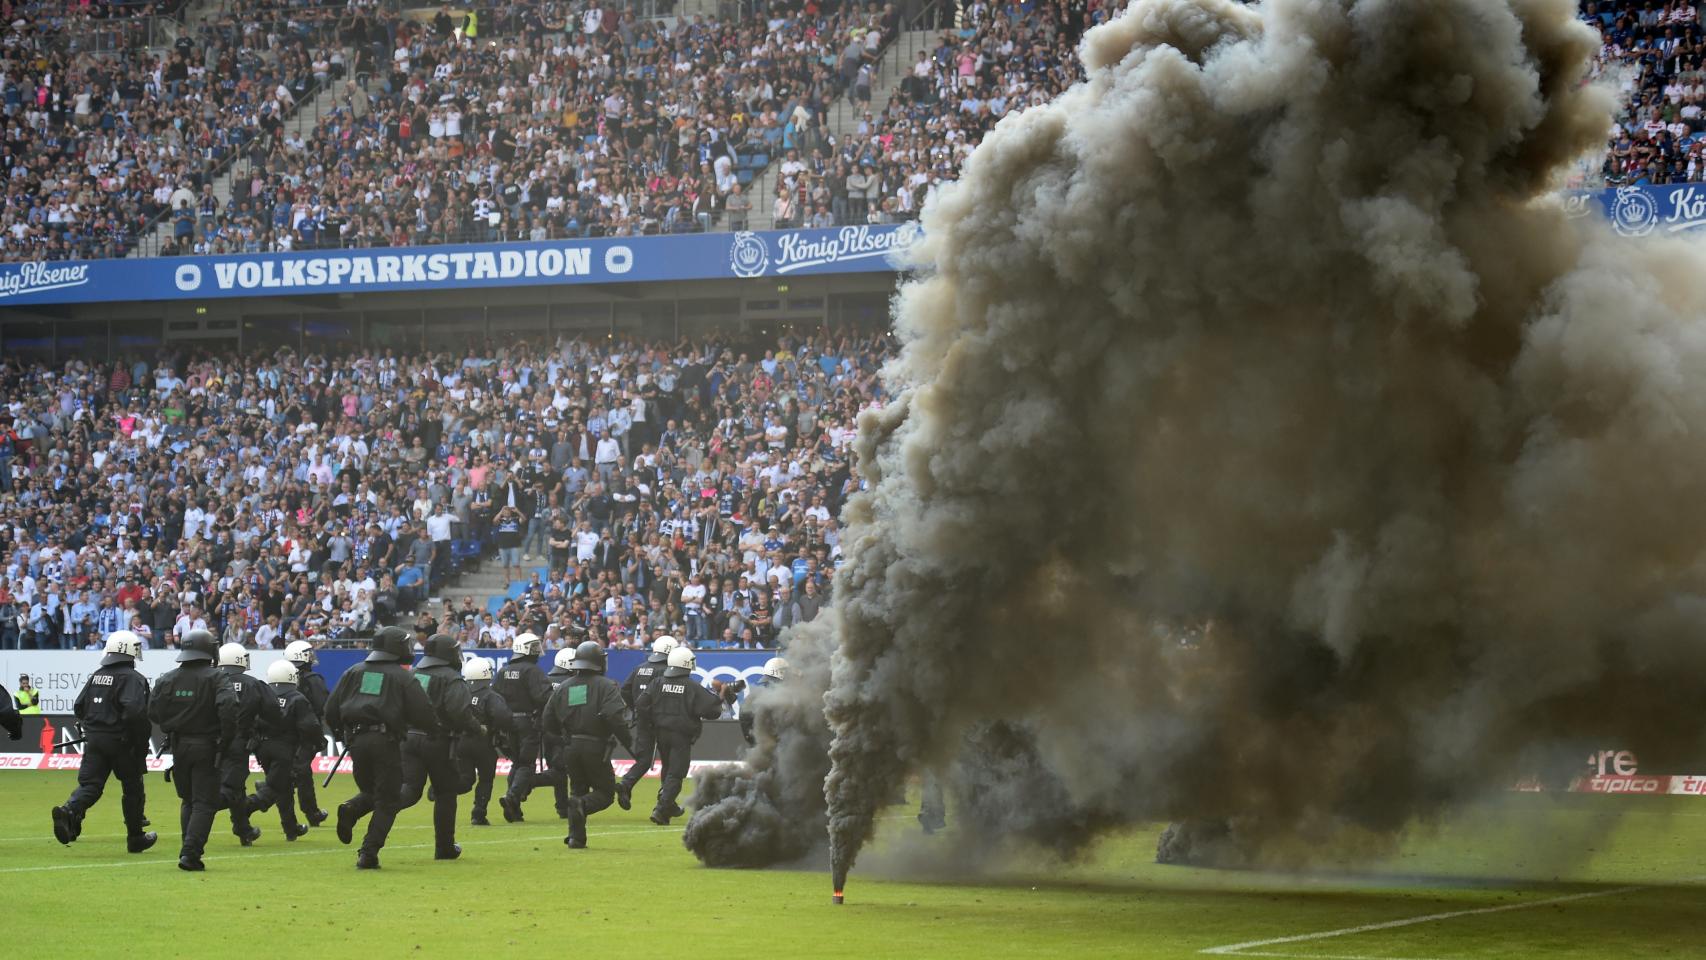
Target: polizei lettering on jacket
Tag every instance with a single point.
(379, 270)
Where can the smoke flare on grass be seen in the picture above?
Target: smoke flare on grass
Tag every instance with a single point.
(1271, 324)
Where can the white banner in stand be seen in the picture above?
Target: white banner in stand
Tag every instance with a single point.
(60, 674)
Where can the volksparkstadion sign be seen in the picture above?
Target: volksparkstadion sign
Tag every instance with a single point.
(704, 256)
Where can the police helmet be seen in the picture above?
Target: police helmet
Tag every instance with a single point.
(588, 656)
(442, 650)
(282, 671)
(477, 668)
(198, 645)
(681, 662)
(233, 655)
(299, 651)
(661, 648)
(391, 644)
(775, 669)
(122, 647)
(563, 661)
(527, 645)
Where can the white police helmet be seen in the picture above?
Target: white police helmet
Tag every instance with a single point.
(527, 645)
(477, 668)
(282, 671)
(661, 648)
(564, 658)
(121, 645)
(681, 662)
(299, 651)
(776, 669)
(233, 655)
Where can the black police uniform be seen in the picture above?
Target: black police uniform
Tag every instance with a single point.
(371, 709)
(312, 686)
(113, 710)
(676, 704)
(197, 709)
(584, 713)
(749, 709)
(932, 807)
(551, 748)
(645, 738)
(523, 686)
(280, 741)
(477, 756)
(10, 720)
(429, 754)
(256, 705)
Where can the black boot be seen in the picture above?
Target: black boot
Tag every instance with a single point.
(138, 842)
(449, 853)
(511, 808)
(624, 794)
(316, 817)
(366, 861)
(67, 824)
(190, 863)
(295, 832)
(346, 826)
(248, 839)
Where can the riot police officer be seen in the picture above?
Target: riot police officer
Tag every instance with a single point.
(256, 705)
(430, 754)
(279, 743)
(774, 671)
(645, 742)
(550, 749)
(312, 686)
(524, 687)
(676, 704)
(113, 709)
(196, 707)
(477, 756)
(582, 715)
(374, 705)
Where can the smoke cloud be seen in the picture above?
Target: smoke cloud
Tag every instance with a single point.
(1272, 327)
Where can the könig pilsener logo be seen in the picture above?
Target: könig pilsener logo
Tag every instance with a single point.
(749, 256)
(1634, 212)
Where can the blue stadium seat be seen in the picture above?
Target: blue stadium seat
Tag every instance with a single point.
(494, 604)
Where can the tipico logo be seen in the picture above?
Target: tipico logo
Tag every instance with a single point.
(39, 277)
(749, 256)
(1634, 212)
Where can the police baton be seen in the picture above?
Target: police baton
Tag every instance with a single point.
(70, 743)
(335, 765)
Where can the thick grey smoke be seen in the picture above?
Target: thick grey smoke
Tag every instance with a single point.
(1269, 325)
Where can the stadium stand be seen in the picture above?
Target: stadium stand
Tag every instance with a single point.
(688, 488)
(1652, 53)
(118, 118)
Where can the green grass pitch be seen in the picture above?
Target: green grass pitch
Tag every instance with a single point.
(1529, 876)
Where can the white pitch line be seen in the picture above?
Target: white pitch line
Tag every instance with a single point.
(141, 861)
(1237, 949)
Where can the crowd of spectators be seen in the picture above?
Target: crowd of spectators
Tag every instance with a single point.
(551, 120)
(567, 118)
(1653, 51)
(638, 488)
(1000, 58)
(103, 133)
